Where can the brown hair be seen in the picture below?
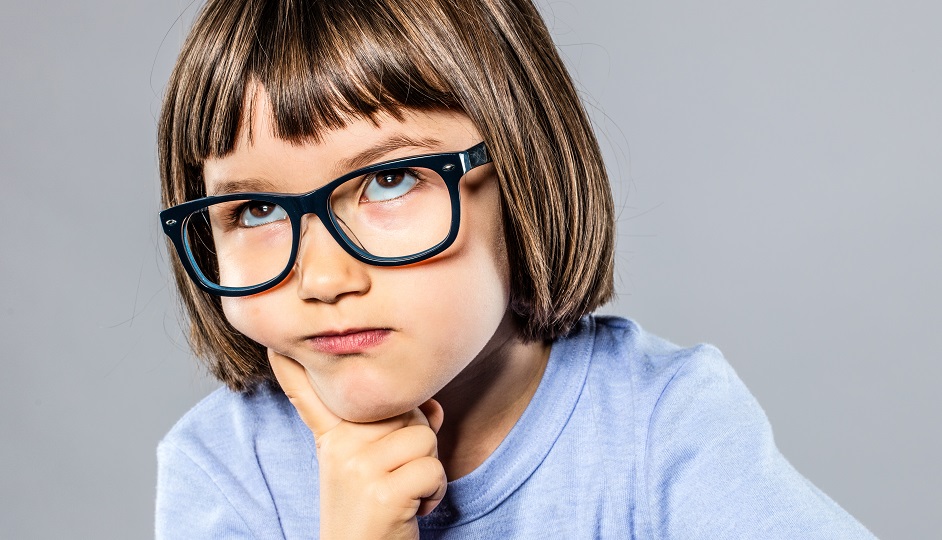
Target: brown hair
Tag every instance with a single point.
(325, 62)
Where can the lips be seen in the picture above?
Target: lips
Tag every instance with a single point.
(352, 341)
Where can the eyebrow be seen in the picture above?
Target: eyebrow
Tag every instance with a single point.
(368, 156)
(239, 186)
(383, 148)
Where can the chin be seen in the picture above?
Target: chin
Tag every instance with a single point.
(364, 395)
(362, 392)
(362, 407)
(362, 413)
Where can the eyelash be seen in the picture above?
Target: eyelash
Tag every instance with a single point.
(366, 179)
(233, 215)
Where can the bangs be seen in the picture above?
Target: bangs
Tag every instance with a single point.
(323, 64)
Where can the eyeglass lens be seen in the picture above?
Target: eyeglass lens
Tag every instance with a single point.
(390, 213)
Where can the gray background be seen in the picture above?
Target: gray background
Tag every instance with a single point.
(777, 167)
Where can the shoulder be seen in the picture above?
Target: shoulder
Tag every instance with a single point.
(655, 368)
(224, 467)
(226, 424)
(707, 459)
(646, 387)
(670, 386)
(624, 338)
(222, 411)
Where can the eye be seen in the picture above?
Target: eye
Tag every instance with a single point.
(256, 213)
(387, 185)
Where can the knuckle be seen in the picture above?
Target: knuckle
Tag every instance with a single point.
(383, 494)
(432, 468)
(362, 468)
(356, 468)
(427, 439)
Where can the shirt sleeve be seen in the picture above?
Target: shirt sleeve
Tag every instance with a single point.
(190, 504)
(713, 470)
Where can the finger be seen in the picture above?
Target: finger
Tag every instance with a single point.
(427, 505)
(421, 480)
(294, 382)
(402, 446)
(434, 413)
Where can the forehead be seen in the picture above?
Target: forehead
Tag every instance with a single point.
(262, 161)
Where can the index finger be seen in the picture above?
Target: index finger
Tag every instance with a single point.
(294, 382)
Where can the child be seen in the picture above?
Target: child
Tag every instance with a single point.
(392, 220)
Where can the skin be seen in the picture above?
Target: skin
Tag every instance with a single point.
(386, 448)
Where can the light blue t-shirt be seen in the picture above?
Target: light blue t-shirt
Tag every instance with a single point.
(627, 436)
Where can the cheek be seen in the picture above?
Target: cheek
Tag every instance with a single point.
(247, 315)
(470, 297)
(471, 301)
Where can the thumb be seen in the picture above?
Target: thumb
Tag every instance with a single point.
(294, 382)
(434, 413)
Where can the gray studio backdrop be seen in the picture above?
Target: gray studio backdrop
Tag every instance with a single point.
(778, 172)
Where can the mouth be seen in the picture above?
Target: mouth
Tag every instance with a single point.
(346, 342)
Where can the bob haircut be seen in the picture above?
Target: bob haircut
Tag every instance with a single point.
(326, 62)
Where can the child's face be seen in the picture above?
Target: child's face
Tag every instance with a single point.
(419, 326)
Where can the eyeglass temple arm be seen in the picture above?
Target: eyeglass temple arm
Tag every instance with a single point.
(477, 156)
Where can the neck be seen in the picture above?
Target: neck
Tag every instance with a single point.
(485, 401)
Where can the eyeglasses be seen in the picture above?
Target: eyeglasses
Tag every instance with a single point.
(389, 214)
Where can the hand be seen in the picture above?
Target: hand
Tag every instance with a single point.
(375, 478)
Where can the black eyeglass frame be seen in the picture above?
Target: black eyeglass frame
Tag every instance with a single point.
(452, 166)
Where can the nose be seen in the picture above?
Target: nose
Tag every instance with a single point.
(325, 271)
